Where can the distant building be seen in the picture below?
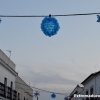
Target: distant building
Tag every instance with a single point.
(24, 91)
(7, 78)
(77, 91)
(92, 85)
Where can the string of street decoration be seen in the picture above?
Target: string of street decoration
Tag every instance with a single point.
(42, 90)
(47, 15)
(53, 94)
(50, 25)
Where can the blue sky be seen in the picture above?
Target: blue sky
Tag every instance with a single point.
(56, 63)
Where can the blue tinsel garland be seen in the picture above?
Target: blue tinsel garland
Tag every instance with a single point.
(98, 17)
(0, 20)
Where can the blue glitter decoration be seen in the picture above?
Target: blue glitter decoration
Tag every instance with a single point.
(36, 94)
(50, 26)
(66, 98)
(0, 20)
(53, 95)
(98, 17)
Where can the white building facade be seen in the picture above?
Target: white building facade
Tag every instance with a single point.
(7, 78)
(92, 85)
(78, 89)
(24, 91)
(12, 87)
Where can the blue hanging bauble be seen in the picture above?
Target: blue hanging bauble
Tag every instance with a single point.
(36, 94)
(53, 95)
(50, 26)
(66, 98)
(98, 18)
(0, 20)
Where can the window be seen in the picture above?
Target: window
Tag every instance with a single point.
(9, 96)
(87, 93)
(11, 85)
(11, 89)
(5, 81)
(99, 94)
(18, 96)
(91, 92)
(14, 95)
(99, 90)
(2, 89)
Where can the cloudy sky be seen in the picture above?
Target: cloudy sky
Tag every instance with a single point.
(56, 63)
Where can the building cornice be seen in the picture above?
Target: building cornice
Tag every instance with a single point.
(8, 67)
(90, 77)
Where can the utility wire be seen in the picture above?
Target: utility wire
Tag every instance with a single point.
(42, 90)
(48, 15)
(25, 91)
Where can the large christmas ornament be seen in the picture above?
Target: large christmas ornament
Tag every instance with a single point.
(0, 20)
(53, 95)
(50, 26)
(98, 17)
(36, 94)
(66, 98)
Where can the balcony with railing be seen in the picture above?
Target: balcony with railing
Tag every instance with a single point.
(7, 92)
(2, 89)
(14, 95)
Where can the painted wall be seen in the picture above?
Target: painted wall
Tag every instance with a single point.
(4, 72)
(93, 82)
(7, 69)
(88, 85)
(98, 84)
(24, 90)
(78, 89)
(6, 60)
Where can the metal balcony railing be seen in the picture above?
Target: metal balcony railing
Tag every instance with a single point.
(7, 92)
(2, 89)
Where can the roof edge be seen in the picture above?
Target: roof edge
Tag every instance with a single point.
(91, 75)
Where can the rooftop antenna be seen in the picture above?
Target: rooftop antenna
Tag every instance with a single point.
(29, 84)
(9, 52)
